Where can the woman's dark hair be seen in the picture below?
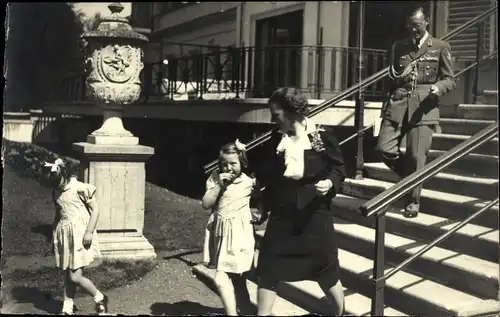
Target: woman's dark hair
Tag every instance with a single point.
(230, 148)
(290, 100)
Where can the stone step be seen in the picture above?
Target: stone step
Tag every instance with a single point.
(478, 111)
(489, 97)
(406, 292)
(463, 126)
(445, 205)
(484, 188)
(472, 275)
(282, 307)
(477, 165)
(472, 239)
(445, 142)
(300, 298)
(448, 111)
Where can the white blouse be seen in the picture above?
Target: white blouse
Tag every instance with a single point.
(294, 151)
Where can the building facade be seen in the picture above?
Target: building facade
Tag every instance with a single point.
(308, 44)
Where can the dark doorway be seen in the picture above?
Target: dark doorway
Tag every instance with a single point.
(278, 48)
(384, 23)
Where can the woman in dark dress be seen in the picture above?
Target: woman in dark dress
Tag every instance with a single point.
(301, 177)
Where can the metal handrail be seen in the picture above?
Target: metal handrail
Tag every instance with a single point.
(255, 142)
(476, 63)
(376, 206)
(318, 109)
(456, 75)
(379, 205)
(354, 88)
(438, 240)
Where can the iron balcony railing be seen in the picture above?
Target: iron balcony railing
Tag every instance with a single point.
(210, 72)
(245, 72)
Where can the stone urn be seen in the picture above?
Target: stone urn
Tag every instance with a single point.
(114, 60)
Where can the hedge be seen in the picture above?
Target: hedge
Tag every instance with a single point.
(28, 158)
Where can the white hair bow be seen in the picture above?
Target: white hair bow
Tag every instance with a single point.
(239, 146)
(53, 166)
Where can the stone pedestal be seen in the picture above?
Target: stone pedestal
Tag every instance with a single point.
(118, 172)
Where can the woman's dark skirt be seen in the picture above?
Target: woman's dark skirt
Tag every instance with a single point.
(313, 255)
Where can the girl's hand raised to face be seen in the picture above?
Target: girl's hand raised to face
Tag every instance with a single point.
(226, 178)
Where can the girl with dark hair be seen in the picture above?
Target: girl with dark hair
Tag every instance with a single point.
(229, 242)
(74, 236)
(301, 177)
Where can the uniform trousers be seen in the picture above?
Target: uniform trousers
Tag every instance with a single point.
(418, 144)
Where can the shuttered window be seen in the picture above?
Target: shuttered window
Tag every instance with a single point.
(464, 44)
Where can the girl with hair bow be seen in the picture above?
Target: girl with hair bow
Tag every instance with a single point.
(74, 235)
(229, 238)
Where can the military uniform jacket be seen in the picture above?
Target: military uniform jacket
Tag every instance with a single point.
(432, 65)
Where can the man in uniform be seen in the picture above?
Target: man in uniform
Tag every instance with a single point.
(420, 70)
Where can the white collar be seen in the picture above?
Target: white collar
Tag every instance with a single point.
(310, 127)
(72, 181)
(423, 39)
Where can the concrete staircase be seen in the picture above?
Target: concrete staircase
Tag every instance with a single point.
(459, 276)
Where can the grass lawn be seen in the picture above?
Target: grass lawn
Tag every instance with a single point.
(172, 222)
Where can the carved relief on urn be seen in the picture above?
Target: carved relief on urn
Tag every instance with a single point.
(114, 60)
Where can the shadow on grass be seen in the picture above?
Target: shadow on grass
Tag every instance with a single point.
(40, 299)
(184, 308)
(44, 230)
(40, 286)
(182, 256)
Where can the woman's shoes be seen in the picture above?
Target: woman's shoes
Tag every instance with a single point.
(102, 307)
(69, 312)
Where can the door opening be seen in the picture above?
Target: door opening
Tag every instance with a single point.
(278, 51)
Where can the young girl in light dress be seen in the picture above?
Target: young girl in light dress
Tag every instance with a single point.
(229, 242)
(74, 235)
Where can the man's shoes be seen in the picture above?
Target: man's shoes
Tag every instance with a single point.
(411, 210)
(102, 307)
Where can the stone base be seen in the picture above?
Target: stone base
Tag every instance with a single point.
(113, 152)
(118, 173)
(112, 140)
(125, 248)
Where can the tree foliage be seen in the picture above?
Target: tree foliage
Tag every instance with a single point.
(43, 45)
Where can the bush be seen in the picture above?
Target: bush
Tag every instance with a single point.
(29, 159)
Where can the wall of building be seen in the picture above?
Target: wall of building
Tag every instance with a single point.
(220, 34)
(332, 16)
(189, 13)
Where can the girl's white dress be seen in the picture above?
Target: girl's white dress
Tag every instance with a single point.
(229, 238)
(68, 234)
